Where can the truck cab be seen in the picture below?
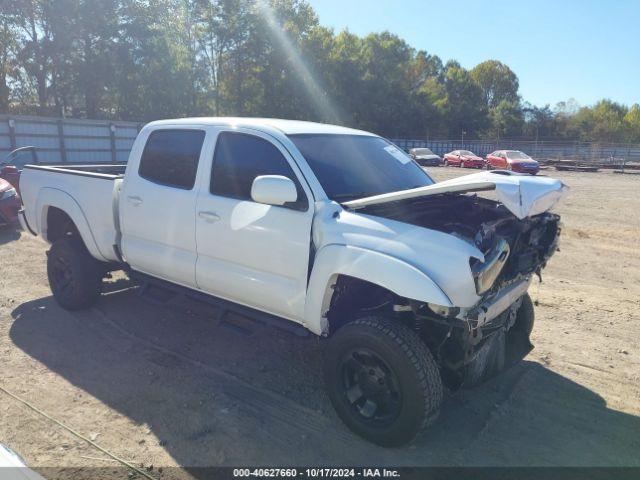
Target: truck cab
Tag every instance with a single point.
(415, 284)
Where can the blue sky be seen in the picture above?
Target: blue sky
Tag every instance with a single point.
(560, 49)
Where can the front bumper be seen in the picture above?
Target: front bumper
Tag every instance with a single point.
(486, 339)
(473, 163)
(494, 341)
(493, 306)
(525, 168)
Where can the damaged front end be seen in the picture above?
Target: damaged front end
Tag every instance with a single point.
(472, 344)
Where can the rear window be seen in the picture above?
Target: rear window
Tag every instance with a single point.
(170, 157)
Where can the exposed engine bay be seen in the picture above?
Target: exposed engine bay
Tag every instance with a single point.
(473, 346)
(486, 224)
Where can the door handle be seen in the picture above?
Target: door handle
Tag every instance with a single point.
(209, 216)
(134, 200)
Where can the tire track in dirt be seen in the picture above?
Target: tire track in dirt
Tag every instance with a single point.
(257, 400)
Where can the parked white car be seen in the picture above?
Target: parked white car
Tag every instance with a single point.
(314, 228)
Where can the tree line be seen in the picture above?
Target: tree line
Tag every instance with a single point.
(144, 60)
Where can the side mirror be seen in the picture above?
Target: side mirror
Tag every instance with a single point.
(273, 190)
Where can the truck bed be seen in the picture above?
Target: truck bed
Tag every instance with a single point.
(89, 193)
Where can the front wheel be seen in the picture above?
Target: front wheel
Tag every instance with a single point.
(75, 277)
(382, 380)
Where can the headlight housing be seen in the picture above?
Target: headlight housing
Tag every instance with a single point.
(11, 192)
(485, 273)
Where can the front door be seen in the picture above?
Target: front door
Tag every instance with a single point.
(251, 253)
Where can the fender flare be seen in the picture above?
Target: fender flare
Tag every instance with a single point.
(389, 272)
(52, 197)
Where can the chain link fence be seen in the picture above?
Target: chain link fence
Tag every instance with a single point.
(61, 140)
(588, 153)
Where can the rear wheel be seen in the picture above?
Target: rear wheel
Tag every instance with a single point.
(382, 380)
(75, 277)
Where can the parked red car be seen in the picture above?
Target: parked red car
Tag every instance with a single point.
(463, 159)
(514, 160)
(11, 166)
(9, 203)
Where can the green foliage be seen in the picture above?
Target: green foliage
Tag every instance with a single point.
(142, 60)
(497, 82)
(632, 123)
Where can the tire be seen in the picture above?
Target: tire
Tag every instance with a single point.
(525, 317)
(446, 163)
(75, 277)
(393, 367)
(462, 165)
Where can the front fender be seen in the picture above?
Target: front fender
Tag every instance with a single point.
(52, 197)
(386, 271)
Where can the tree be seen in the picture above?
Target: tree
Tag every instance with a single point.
(8, 50)
(143, 60)
(497, 82)
(463, 107)
(602, 123)
(539, 122)
(632, 123)
(507, 120)
(94, 31)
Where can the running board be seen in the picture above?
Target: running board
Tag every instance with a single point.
(160, 292)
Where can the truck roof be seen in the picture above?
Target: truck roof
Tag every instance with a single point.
(288, 127)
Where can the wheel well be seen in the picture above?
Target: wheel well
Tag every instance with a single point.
(59, 224)
(352, 296)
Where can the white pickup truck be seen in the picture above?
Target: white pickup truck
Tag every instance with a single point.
(326, 229)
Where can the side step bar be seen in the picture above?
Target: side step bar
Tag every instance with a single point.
(152, 289)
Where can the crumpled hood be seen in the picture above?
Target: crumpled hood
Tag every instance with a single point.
(524, 195)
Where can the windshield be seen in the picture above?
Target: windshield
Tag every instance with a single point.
(516, 155)
(358, 166)
(422, 151)
(467, 153)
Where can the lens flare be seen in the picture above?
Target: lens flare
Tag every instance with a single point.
(314, 90)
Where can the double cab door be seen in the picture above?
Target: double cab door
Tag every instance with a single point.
(207, 233)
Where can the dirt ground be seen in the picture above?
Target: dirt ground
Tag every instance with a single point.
(169, 386)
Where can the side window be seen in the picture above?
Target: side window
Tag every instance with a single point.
(170, 157)
(240, 158)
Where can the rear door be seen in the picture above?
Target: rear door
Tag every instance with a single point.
(157, 205)
(253, 254)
